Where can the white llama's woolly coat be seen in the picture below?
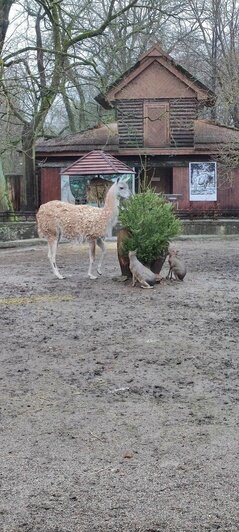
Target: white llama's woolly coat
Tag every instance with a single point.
(74, 221)
(80, 222)
(71, 220)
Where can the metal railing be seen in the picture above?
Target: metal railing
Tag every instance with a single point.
(194, 214)
(20, 216)
(191, 213)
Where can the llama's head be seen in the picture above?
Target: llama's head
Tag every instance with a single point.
(122, 189)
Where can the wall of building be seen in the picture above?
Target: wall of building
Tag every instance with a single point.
(132, 116)
(227, 197)
(228, 191)
(50, 184)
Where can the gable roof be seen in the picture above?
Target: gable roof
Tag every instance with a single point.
(155, 56)
(97, 163)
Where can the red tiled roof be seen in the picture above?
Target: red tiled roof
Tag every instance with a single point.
(97, 163)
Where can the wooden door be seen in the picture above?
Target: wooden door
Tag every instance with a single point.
(162, 180)
(156, 124)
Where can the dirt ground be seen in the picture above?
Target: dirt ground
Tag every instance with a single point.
(119, 406)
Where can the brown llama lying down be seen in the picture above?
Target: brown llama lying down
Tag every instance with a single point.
(57, 219)
(176, 267)
(140, 273)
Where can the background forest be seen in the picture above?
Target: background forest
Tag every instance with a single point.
(56, 55)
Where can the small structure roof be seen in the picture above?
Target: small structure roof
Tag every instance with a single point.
(97, 163)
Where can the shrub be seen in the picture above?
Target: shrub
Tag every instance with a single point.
(151, 222)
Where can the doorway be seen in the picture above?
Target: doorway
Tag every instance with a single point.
(161, 180)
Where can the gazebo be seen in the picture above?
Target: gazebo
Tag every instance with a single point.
(95, 169)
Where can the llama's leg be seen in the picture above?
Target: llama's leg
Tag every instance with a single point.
(133, 279)
(52, 248)
(92, 258)
(101, 245)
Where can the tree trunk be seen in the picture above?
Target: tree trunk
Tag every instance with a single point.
(235, 115)
(5, 203)
(28, 154)
(5, 6)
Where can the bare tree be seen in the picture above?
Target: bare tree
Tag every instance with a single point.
(117, 50)
(37, 68)
(212, 52)
(5, 6)
(73, 50)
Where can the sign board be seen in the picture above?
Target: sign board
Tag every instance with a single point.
(203, 181)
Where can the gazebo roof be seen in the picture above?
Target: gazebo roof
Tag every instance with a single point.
(97, 162)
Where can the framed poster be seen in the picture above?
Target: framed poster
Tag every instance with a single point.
(203, 181)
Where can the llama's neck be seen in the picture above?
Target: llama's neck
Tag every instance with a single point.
(111, 207)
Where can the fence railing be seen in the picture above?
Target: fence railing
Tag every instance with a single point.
(19, 216)
(207, 213)
(29, 216)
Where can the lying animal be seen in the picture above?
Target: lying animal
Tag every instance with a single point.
(176, 267)
(140, 273)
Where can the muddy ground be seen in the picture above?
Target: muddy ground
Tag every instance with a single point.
(119, 406)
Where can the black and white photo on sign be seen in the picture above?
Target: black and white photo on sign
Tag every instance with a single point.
(203, 181)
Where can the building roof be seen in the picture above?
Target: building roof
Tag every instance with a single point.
(207, 136)
(97, 163)
(104, 136)
(141, 71)
(207, 132)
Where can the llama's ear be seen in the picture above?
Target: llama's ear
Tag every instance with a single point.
(118, 179)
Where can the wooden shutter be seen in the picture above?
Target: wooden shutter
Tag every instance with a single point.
(156, 124)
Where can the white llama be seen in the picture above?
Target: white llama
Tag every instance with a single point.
(81, 222)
